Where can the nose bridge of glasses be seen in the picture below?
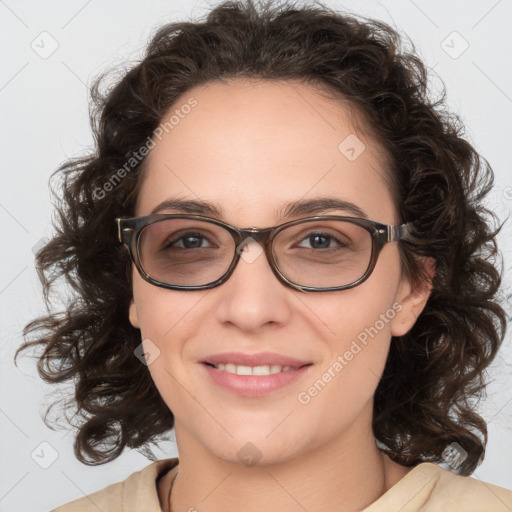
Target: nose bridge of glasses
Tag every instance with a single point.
(258, 235)
(261, 237)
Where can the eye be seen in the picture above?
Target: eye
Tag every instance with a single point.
(189, 240)
(322, 240)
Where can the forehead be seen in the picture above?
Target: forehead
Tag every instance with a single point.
(250, 146)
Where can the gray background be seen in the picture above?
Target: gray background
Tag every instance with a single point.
(44, 122)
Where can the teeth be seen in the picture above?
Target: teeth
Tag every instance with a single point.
(252, 370)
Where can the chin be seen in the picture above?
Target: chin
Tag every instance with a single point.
(256, 450)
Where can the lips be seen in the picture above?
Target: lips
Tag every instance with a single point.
(252, 360)
(255, 384)
(254, 375)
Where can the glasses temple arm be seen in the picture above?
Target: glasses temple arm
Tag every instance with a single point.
(399, 232)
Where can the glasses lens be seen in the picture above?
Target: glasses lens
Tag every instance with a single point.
(323, 253)
(185, 252)
(320, 253)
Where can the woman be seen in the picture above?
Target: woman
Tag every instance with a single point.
(279, 249)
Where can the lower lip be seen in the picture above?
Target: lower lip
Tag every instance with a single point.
(254, 385)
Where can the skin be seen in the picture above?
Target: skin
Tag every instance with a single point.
(249, 146)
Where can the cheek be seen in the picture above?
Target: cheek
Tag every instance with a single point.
(161, 313)
(358, 324)
(358, 314)
(349, 374)
(362, 333)
(167, 319)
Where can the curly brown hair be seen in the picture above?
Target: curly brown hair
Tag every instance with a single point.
(434, 374)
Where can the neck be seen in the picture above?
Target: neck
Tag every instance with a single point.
(343, 475)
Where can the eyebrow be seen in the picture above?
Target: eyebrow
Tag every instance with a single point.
(286, 211)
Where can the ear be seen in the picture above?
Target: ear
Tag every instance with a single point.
(133, 315)
(412, 299)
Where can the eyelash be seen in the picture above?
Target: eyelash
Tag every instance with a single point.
(203, 237)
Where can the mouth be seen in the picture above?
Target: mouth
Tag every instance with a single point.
(254, 381)
(254, 370)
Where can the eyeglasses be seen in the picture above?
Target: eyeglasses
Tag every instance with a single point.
(312, 254)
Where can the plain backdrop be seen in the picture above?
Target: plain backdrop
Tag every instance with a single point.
(51, 52)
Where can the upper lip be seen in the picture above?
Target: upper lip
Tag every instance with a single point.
(261, 359)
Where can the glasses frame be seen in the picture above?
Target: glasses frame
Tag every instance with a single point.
(130, 229)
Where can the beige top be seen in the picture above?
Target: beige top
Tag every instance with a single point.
(426, 488)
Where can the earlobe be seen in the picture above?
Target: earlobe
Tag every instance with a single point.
(133, 314)
(412, 299)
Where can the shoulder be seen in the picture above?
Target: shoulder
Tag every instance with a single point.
(467, 493)
(430, 488)
(137, 492)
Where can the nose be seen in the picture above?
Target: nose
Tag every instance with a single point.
(253, 296)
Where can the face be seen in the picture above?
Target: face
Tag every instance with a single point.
(249, 147)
